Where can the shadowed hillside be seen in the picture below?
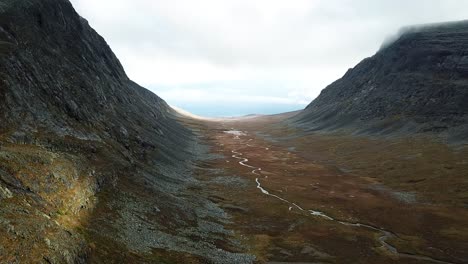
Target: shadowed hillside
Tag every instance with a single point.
(91, 164)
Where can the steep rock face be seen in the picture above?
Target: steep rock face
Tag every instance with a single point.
(62, 77)
(418, 83)
(73, 125)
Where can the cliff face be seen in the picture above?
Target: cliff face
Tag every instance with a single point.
(72, 126)
(417, 84)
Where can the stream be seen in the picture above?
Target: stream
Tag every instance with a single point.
(385, 235)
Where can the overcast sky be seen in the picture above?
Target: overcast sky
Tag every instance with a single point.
(235, 57)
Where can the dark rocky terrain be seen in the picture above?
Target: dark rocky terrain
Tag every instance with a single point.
(93, 167)
(416, 84)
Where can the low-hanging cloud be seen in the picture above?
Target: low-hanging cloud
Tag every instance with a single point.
(414, 29)
(297, 47)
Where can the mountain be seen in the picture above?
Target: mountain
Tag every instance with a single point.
(96, 169)
(415, 84)
(88, 158)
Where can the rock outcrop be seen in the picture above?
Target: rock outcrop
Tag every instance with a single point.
(416, 84)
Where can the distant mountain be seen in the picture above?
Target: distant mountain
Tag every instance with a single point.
(416, 83)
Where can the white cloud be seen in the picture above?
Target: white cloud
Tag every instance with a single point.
(297, 47)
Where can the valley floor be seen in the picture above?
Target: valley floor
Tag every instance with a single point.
(250, 190)
(334, 199)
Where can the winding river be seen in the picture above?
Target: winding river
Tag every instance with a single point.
(384, 234)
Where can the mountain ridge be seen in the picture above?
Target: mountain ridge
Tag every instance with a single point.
(415, 85)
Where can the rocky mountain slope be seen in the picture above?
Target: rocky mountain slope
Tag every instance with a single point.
(93, 167)
(416, 84)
